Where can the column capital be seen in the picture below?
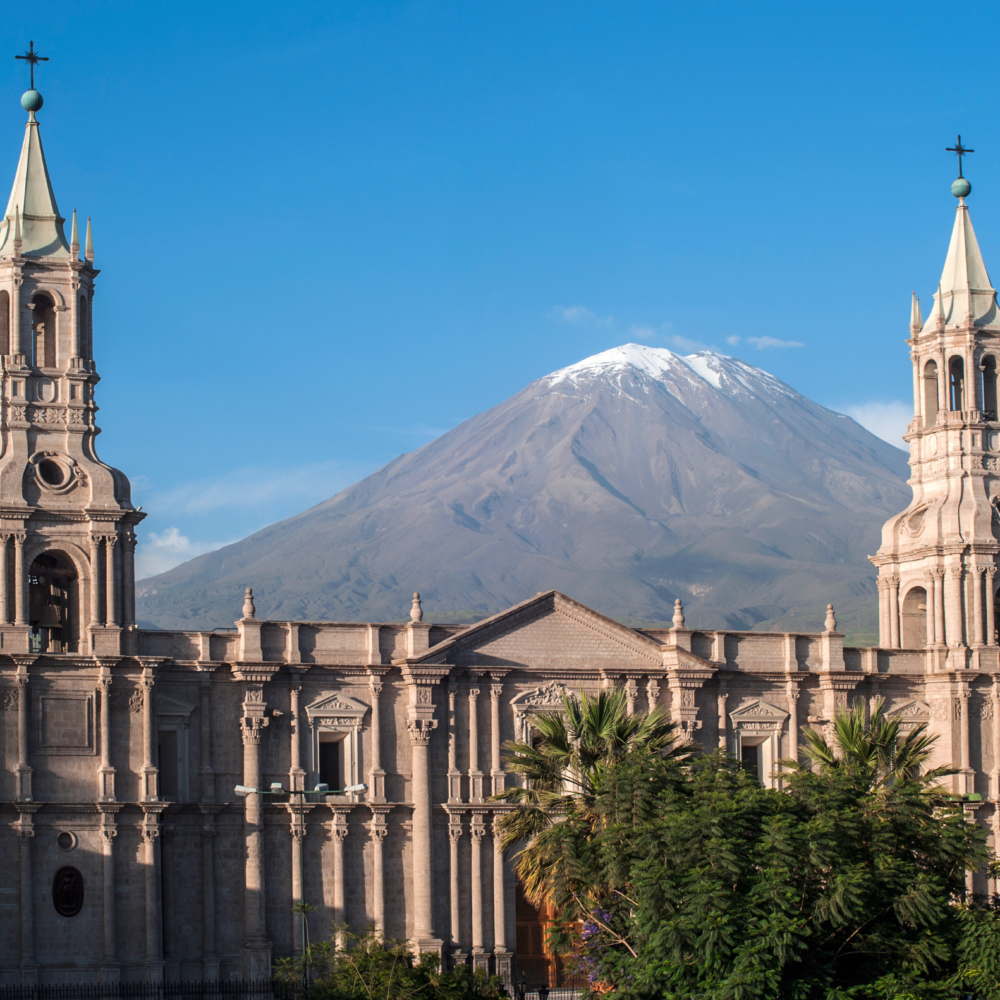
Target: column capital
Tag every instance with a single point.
(420, 730)
(108, 834)
(19, 537)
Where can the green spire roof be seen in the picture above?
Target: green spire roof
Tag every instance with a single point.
(32, 197)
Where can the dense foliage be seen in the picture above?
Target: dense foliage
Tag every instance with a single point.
(369, 968)
(684, 878)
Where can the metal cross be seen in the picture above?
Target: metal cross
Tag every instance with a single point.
(959, 150)
(32, 58)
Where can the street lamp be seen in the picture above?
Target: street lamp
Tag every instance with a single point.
(277, 788)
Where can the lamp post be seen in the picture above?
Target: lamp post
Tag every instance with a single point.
(277, 788)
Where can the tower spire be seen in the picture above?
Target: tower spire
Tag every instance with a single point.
(88, 250)
(74, 238)
(916, 321)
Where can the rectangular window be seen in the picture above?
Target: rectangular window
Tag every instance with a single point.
(331, 760)
(168, 764)
(750, 759)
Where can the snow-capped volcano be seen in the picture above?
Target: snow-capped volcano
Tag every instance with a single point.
(626, 480)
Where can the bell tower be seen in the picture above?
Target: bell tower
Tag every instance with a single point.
(67, 522)
(938, 559)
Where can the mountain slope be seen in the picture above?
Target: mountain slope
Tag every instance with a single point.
(626, 480)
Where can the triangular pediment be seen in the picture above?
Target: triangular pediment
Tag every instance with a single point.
(165, 705)
(546, 697)
(911, 711)
(549, 630)
(757, 710)
(336, 705)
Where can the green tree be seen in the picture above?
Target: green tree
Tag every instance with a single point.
(370, 968)
(564, 767)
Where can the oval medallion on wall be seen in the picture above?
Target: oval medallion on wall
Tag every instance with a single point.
(931, 444)
(67, 892)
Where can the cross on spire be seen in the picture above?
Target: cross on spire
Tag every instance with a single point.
(32, 58)
(959, 150)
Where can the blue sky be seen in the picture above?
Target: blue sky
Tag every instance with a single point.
(330, 231)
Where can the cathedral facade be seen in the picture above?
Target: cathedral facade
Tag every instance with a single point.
(131, 856)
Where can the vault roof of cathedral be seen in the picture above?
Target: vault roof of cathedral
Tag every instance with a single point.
(32, 196)
(521, 614)
(965, 286)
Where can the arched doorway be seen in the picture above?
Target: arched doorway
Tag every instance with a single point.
(913, 616)
(53, 604)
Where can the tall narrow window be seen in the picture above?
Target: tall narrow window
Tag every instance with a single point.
(989, 369)
(168, 764)
(44, 324)
(956, 369)
(930, 393)
(330, 768)
(85, 346)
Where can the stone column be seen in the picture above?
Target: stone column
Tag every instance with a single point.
(631, 691)
(722, 723)
(256, 947)
(15, 315)
(793, 720)
(171, 966)
(939, 636)
(883, 611)
(20, 595)
(338, 827)
(151, 867)
(378, 830)
(296, 773)
(111, 595)
(976, 585)
(23, 767)
(995, 774)
(95, 580)
(929, 638)
(894, 611)
(105, 773)
(991, 625)
(298, 833)
(128, 579)
(110, 970)
(454, 838)
(500, 952)
(454, 775)
(210, 953)
(149, 772)
(652, 696)
(480, 960)
(377, 778)
(4, 609)
(206, 771)
(954, 631)
(967, 776)
(26, 916)
(475, 775)
(496, 769)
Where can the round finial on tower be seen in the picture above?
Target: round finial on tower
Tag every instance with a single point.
(678, 614)
(416, 610)
(831, 619)
(32, 101)
(960, 187)
(249, 609)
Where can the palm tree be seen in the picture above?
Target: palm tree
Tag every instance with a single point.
(877, 750)
(564, 766)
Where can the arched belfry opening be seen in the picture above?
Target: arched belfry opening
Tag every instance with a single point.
(43, 325)
(989, 369)
(956, 371)
(54, 604)
(930, 393)
(913, 618)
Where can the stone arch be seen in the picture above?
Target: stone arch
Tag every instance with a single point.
(956, 383)
(54, 603)
(81, 564)
(931, 396)
(913, 618)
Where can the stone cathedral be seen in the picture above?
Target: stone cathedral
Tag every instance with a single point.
(128, 854)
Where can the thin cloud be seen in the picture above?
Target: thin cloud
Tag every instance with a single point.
(158, 552)
(580, 316)
(769, 343)
(887, 420)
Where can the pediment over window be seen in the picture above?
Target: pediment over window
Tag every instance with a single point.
(911, 711)
(544, 698)
(757, 710)
(336, 709)
(172, 711)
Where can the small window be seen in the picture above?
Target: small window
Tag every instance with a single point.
(331, 760)
(168, 764)
(989, 370)
(750, 759)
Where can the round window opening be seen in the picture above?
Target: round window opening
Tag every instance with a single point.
(66, 841)
(67, 892)
(51, 472)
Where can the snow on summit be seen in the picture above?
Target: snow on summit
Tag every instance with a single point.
(664, 365)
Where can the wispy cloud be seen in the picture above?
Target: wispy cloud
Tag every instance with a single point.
(764, 343)
(580, 316)
(886, 420)
(159, 552)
